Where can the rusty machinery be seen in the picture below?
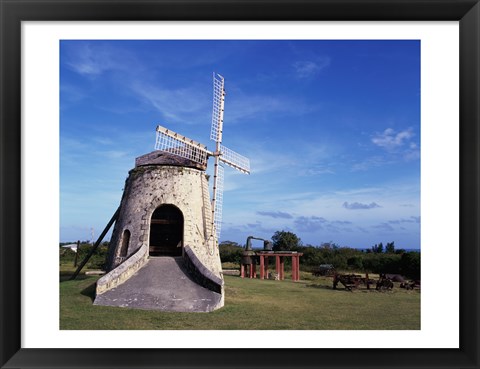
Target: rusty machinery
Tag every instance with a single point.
(351, 281)
(249, 256)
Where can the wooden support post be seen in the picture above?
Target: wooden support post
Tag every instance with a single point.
(254, 268)
(251, 270)
(294, 268)
(298, 267)
(277, 266)
(282, 268)
(242, 271)
(94, 248)
(266, 266)
(262, 266)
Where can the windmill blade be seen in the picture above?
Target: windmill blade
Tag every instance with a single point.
(218, 200)
(235, 160)
(218, 107)
(179, 145)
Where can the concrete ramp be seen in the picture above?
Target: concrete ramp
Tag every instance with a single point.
(163, 283)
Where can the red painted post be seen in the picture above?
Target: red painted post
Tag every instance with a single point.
(262, 265)
(293, 268)
(297, 264)
(298, 267)
(242, 271)
(251, 270)
(282, 268)
(266, 266)
(277, 265)
(254, 266)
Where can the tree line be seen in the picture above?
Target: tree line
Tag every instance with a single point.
(376, 259)
(97, 261)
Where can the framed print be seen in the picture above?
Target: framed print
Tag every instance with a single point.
(49, 49)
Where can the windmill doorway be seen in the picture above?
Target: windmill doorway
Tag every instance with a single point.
(166, 231)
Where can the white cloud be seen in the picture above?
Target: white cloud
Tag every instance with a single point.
(184, 104)
(399, 146)
(275, 214)
(309, 68)
(94, 58)
(113, 154)
(384, 227)
(358, 205)
(259, 107)
(391, 140)
(315, 171)
(371, 162)
(90, 60)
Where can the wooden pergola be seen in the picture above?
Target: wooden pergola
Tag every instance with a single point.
(249, 270)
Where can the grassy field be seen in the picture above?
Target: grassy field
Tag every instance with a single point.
(310, 304)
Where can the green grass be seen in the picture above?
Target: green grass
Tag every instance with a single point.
(253, 304)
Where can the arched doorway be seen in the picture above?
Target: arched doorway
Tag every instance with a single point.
(166, 231)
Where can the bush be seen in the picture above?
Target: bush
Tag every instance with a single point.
(410, 264)
(355, 263)
(230, 252)
(97, 260)
(382, 263)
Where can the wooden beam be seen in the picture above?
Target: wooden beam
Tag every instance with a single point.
(164, 221)
(85, 260)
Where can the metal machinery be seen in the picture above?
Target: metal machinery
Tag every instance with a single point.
(249, 257)
(267, 246)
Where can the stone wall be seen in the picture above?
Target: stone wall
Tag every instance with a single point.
(200, 273)
(124, 271)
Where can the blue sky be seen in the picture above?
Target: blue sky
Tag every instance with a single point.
(331, 128)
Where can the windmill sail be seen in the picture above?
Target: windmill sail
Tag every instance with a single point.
(235, 160)
(218, 107)
(182, 146)
(218, 202)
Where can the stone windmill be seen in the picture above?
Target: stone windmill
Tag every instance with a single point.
(166, 209)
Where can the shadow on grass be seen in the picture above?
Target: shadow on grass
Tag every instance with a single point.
(341, 289)
(90, 291)
(324, 287)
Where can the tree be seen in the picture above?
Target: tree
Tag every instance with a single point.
(410, 264)
(329, 245)
(230, 252)
(390, 248)
(285, 241)
(378, 249)
(355, 263)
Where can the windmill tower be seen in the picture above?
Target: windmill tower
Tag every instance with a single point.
(166, 208)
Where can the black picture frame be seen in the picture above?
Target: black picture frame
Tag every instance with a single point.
(13, 12)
